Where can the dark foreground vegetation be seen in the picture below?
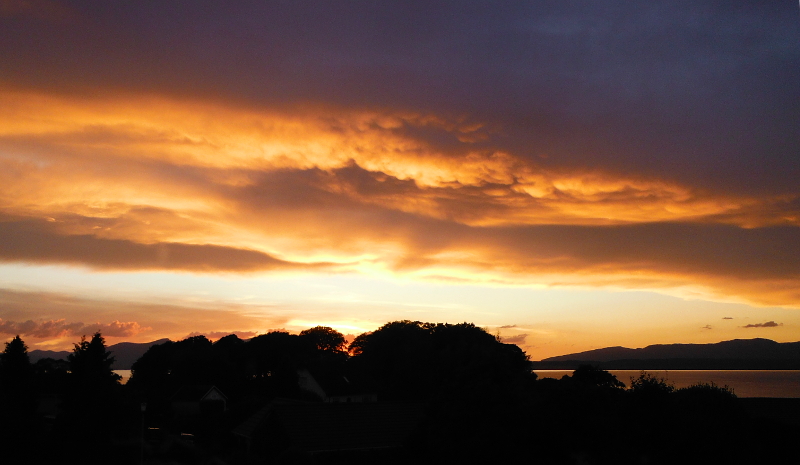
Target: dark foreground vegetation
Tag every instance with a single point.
(409, 392)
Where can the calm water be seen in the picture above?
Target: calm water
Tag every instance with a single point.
(126, 375)
(745, 383)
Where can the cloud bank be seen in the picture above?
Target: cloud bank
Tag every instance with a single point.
(157, 184)
(60, 328)
(532, 144)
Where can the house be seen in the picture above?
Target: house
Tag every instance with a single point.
(332, 386)
(323, 428)
(198, 399)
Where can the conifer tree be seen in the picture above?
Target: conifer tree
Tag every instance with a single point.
(89, 362)
(14, 361)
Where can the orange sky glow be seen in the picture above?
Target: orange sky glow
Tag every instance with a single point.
(157, 208)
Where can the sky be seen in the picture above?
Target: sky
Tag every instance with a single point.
(567, 175)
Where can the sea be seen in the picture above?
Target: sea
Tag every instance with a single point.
(745, 383)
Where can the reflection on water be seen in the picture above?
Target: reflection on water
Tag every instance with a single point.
(126, 375)
(745, 383)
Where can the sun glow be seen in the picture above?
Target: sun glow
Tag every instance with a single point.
(343, 190)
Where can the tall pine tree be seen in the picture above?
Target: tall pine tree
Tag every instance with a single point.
(17, 397)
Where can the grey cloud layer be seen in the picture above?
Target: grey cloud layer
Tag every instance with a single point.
(768, 324)
(702, 91)
(299, 204)
(45, 329)
(38, 241)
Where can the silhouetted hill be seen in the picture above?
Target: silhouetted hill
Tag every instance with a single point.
(36, 355)
(735, 354)
(124, 353)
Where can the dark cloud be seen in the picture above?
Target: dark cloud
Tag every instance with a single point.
(647, 111)
(768, 324)
(707, 327)
(519, 339)
(508, 326)
(696, 90)
(38, 241)
(676, 247)
(727, 318)
(706, 250)
(301, 204)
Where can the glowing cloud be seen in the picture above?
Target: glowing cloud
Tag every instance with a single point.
(136, 182)
(60, 328)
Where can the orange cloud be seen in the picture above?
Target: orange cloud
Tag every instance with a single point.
(134, 321)
(48, 329)
(35, 241)
(173, 149)
(142, 182)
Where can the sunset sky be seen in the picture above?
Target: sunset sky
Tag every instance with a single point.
(569, 175)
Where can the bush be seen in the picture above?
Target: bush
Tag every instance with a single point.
(650, 386)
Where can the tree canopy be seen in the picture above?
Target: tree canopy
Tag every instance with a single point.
(14, 361)
(416, 360)
(89, 361)
(325, 339)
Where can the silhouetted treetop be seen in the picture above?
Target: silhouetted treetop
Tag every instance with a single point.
(153, 367)
(412, 359)
(590, 377)
(324, 339)
(90, 361)
(231, 342)
(647, 385)
(14, 361)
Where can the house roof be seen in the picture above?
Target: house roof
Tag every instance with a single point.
(322, 427)
(249, 427)
(196, 393)
(339, 383)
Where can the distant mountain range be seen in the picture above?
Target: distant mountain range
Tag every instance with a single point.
(735, 354)
(124, 353)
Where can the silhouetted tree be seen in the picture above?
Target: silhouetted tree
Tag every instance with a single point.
(192, 361)
(92, 403)
(17, 397)
(229, 346)
(90, 363)
(590, 377)
(717, 403)
(151, 372)
(324, 339)
(14, 361)
(164, 368)
(470, 380)
(416, 360)
(16, 372)
(650, 386)
(51, 376)
(229, 355)
(272, 361)
(709, 391)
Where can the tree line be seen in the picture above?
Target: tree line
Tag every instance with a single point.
(482, 399)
